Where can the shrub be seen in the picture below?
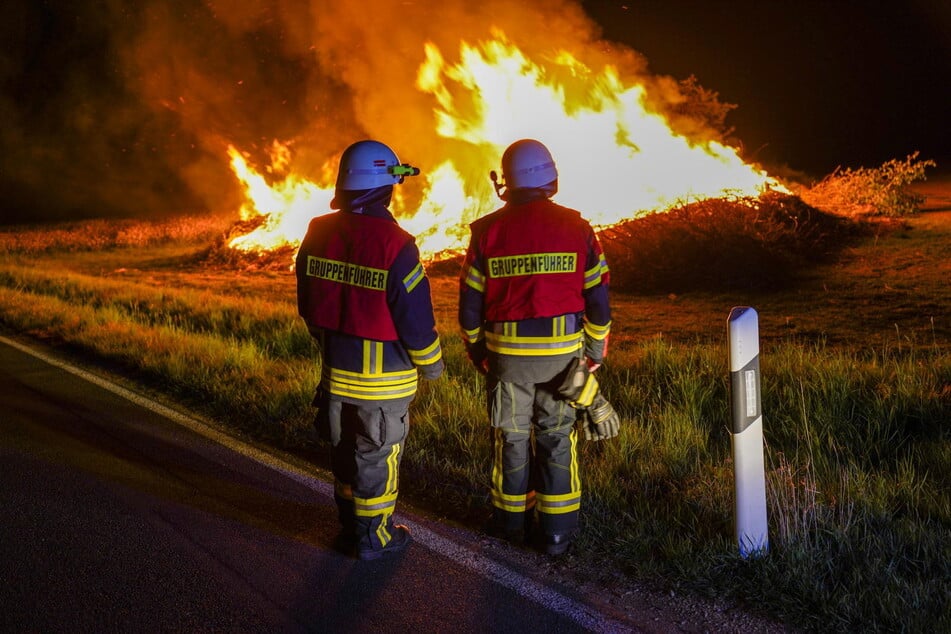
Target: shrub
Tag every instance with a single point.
(881, 191)
(720, 243)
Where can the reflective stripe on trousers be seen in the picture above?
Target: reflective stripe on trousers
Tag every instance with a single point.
(535, 462)
(367, 461)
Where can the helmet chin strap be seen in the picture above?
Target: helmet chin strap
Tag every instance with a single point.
(355, 201)
(524, 194)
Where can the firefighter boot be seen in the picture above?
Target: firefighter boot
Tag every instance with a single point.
(346, 540)
(558, 543)
(369, 547)
(501, 526)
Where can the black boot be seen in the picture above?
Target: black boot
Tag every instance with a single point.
(510, 527)
(370, 548)
(558, 543)
(346, 540)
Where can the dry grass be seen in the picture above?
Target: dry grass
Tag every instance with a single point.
(889, 288)
(98, 235)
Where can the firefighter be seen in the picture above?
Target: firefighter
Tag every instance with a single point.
(365, 297)
(533, 298)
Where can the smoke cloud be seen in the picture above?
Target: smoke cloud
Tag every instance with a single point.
(118, 109)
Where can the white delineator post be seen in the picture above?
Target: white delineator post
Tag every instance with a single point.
(747, 433)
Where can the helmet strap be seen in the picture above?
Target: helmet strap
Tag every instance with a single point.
(356, 199)
(527, 194)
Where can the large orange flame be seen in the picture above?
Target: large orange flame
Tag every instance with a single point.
(286, 206)
(616, 157)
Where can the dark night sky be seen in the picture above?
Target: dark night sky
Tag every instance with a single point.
(818, 83)
(114, 107)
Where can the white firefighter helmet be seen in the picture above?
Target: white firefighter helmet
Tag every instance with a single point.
(527, 164)
(368, 165)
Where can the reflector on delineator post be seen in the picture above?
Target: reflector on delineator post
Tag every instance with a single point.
(747, 432)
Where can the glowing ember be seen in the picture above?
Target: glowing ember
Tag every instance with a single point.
(616, 158)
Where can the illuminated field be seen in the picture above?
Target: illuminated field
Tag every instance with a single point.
(857, 395)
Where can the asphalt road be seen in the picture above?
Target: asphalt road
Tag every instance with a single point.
(117, 518)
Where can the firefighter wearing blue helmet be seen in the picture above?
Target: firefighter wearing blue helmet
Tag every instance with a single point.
(365, 297)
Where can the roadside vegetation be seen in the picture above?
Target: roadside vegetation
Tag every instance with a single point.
(856, 415)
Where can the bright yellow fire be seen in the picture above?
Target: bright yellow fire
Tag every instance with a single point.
(616, 158)
(286, 206)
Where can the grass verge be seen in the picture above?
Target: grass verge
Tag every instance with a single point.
(857, 434)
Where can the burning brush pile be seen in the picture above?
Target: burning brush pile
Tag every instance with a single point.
(760, 242)
(631, 148)
(223, 254)
(713, 244)
(626, 143)
(723, 243)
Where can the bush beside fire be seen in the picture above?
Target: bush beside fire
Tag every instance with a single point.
(721, 244)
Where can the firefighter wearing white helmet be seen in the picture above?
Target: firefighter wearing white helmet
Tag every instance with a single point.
(533, 302)
(364, 296)
(528, 165)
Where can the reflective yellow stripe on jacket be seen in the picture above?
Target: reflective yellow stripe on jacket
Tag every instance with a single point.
(426, 356)
(372, 383)
(596, 332)
(472, 336)
(503, 338)
(592, 277)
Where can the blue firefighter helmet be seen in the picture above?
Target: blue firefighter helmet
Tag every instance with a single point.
(370, 164)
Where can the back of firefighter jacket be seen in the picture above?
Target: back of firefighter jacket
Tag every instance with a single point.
(363, 292)
(534, 282)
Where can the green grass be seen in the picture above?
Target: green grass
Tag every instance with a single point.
(219, 355)
(857, 436)
(858, 484)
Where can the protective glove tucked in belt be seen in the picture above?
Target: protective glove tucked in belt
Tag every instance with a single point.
(581, 389)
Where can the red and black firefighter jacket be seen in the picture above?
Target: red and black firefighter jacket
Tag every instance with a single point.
(363, 293)
(534, 284)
